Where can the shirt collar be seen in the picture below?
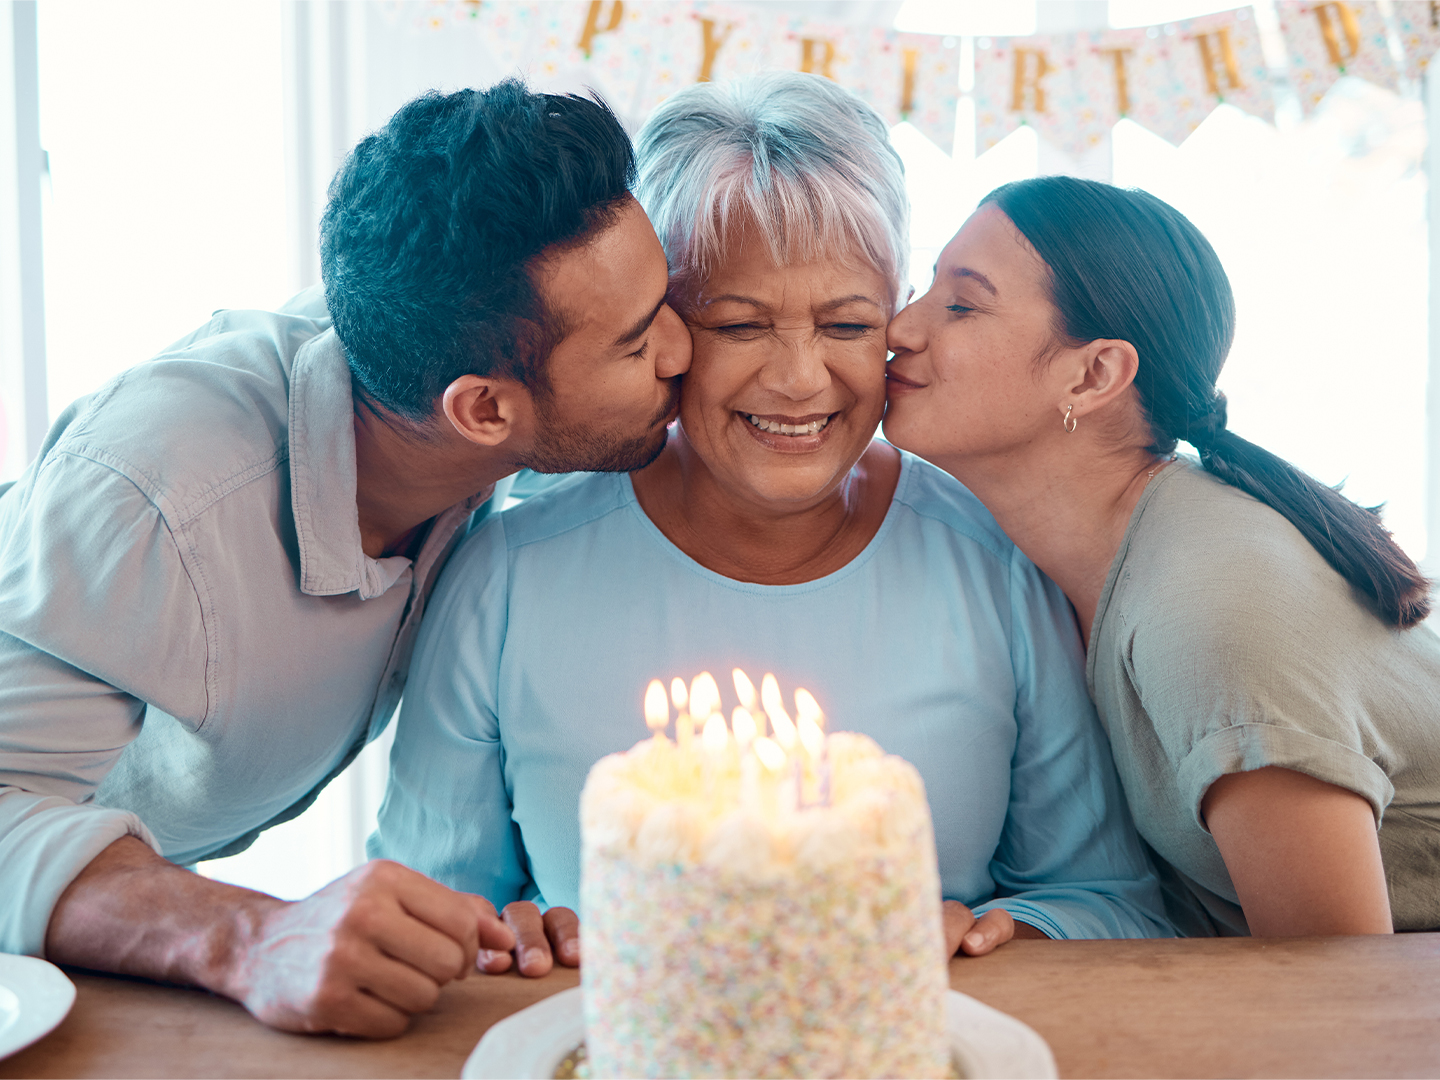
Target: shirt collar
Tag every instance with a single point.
(323, 481)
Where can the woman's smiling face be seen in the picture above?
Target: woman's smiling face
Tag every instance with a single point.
(787, 383)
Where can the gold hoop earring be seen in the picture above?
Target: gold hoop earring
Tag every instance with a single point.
(1070, 423)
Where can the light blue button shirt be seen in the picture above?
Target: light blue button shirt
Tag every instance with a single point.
(940, 640)
(192, 641)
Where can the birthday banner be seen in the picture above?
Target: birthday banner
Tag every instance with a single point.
(638, 53)
(1071, 88)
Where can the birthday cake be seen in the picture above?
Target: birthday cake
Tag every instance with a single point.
(759, 900)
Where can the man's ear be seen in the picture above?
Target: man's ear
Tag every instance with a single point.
(1105, 371)
(486, 411)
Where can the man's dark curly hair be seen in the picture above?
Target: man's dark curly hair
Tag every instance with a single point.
(433, 229)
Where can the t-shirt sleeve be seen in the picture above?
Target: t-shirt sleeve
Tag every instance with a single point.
(1252, 654)
(1069, 861)
(447, 808)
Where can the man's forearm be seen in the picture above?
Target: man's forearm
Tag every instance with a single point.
(134, 913)
(359, 957)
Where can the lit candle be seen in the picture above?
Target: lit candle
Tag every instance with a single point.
(742, 722)
(810, 724)
(780, 722)
(704, 697)
(744, 689)
(684, 726)
(715, 736)
(767, 798)
(657, 710)
(806, 705)
(770, 754)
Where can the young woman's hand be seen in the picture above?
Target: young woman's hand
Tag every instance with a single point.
(540, 940)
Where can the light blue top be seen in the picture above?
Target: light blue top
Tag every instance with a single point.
(940, 640)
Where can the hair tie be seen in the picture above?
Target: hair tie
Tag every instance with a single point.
(1206, 429)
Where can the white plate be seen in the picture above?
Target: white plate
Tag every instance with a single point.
(34, 997)
(985, 1042)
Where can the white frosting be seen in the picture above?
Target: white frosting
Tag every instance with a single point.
(658, 804)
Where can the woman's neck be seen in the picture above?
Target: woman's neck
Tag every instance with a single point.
(747, 540)
(1066, 508)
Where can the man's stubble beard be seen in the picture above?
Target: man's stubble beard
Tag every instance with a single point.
(562, 447)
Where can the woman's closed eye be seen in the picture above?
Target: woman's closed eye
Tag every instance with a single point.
(958, 309)
(848, 331)
(741, 331)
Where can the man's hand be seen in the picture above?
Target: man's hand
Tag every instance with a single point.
(540, 940)
(359, 957)
(363, 954)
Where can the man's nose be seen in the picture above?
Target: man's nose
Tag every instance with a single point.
(673, 347)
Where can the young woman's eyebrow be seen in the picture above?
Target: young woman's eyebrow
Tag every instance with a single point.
(975, 275)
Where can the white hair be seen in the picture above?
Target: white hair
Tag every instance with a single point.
(797, 156)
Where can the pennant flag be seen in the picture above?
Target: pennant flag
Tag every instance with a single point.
(1168, 91)
(1218, 59)
(928, 85)
(1419, 22)
(911, 77)
(594, 42)
(1073, 88)
(1013, 85)
(1330, 38)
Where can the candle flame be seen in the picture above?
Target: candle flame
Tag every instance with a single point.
(744, 725)
(657, 709)
(811, 737)
(769, 753)
(744, 688)
(715, 735)
(678, 693)
(704, 696)
(780, 721)
(808, 708)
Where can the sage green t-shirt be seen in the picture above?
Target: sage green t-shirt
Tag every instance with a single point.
(1223, 642)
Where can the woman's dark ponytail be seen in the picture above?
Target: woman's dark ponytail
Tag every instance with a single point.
(1125, 265)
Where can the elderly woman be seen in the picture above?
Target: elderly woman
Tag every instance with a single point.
(771, 533)
(1253, 646)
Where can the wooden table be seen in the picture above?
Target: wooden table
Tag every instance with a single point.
(1302, 1007)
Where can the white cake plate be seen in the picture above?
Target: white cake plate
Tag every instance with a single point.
(986, 1043)
(34, 998)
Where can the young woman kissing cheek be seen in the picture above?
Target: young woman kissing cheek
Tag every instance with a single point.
(970, 377)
